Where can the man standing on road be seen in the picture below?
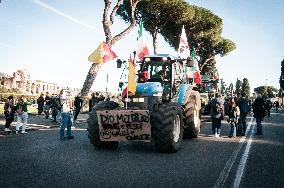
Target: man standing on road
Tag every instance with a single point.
(47, 105)
(93, 101)
(22, 114)
(217, 114)
(9, 111)
(243, 104)
(66, 115)
(78, 105)
(276, 104)
(55, 106)
(40, 104)
(268, 106)
(258, 113)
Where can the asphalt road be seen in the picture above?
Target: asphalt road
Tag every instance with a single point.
(39, 159)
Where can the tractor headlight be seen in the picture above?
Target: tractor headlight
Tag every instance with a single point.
(137, 99)
(157, 94)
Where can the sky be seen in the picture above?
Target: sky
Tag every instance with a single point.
(53, 39)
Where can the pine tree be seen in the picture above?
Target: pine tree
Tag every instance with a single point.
(231, 89)
(246, 87)
(281, 80)
(238, 90)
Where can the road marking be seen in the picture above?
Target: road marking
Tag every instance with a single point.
(243, 162)
(226, 170)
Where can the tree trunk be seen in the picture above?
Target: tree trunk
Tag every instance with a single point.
(155, 41)
(92, 74)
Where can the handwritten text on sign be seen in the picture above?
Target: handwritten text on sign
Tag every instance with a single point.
(121, 125)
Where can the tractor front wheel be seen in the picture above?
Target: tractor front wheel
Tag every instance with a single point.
(167, 125)
(93, 126)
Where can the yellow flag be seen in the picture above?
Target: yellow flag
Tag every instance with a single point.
(131, 78)
(102, 54)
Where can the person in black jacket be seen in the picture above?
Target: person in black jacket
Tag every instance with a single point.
(258, 113)
(94, 100)
(243, 104)
(40, 104)
(78, 103)
(268, 106)
(9, 111)
(55, 107)
(234, 115)
(47, 105)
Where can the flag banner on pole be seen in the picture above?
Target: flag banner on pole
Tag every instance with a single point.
(183, 49)
(131, 88)
(142, 49)
(131, 78)
(102, 54)
(197, 75)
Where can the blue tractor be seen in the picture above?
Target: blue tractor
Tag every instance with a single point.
(164, 109)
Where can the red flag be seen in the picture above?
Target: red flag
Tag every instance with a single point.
(197, 77)
(124, 92)
(102, 54)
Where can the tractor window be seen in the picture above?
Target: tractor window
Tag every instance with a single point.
(159, 72)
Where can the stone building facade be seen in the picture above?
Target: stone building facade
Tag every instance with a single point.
(21, 80)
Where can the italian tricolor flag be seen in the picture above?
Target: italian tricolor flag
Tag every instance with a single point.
(142, 46)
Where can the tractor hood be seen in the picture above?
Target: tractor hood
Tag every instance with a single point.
(149, 89)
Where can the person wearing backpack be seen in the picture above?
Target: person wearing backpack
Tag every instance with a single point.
(243, 104)
(258, 113)
(217, 114)
(22, 114)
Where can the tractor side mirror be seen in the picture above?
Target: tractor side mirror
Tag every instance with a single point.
(118, 63)
(190, 62)
(121, 85)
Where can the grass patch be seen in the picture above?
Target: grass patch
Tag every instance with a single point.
(31, 109)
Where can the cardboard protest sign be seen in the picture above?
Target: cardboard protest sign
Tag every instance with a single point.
(123, 125)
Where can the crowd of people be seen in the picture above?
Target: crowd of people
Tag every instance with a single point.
(237, 110)
(64, 110)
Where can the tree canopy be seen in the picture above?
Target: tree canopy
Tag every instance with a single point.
(167, 18)
(238, 87)
(267, 91)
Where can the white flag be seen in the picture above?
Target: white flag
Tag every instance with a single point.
(183, 49)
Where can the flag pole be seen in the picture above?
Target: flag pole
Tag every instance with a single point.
(107, 85)
(127, 88)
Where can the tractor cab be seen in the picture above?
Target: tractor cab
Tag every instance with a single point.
(161, 69)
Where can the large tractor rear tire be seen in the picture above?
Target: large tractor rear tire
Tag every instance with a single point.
(167, 127)
(192, 116)
(93, 126)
